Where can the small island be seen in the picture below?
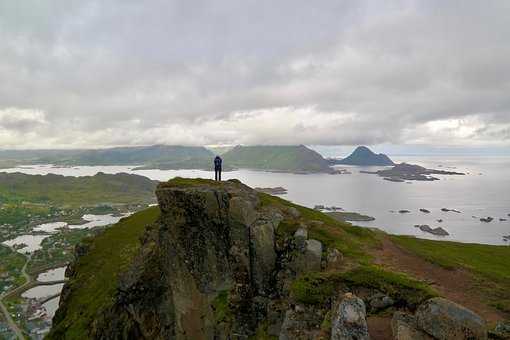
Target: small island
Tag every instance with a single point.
(273, 191)
(434, 231)
(410, 172)
(345, 216)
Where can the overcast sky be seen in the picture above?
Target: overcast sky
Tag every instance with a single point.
(330, 72)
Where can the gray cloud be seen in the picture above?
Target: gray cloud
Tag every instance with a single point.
(197, 72)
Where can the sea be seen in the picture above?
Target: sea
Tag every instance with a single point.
(483, 192)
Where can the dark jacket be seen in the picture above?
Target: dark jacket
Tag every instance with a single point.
(217, 163)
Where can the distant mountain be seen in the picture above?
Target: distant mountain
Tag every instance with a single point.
(365, 157)
(171, 156)
(141, 155)
(291, 158)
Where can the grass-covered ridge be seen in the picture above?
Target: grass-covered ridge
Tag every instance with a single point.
(17, 188)
(110, 254)
(291, 158)
(133, 155)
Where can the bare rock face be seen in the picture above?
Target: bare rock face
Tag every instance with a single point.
(349, 321)
(444, 319)
(212, 249)
(313, 255)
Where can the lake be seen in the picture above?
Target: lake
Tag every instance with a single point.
(483, 192)
(32, 242)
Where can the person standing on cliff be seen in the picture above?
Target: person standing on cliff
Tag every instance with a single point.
(217, 168)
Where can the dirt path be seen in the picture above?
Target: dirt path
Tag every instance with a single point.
(456, 285)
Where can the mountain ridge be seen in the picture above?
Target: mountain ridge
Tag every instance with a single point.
(363, 156)
(291, 158)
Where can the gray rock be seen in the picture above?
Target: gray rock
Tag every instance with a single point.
(349, 320)
(380, 302)
(502, 330)
(301, 232)
(313, 255)
(308, 258)
(404, 328)
(294, 212)
(334, 258)
(444, 319)
(300, 324)
(264, 255)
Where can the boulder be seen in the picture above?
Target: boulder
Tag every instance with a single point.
(300, 236)
(262, 240)
(404, 328)
(313, 255)
(294, 212)
(334, 258)
(349, 319)
(444, 319)
(502, 330)
(301, 233)
(380, 301)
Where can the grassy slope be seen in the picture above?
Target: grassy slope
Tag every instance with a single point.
(111, 252)
(489, 264)
(88, 190)
(279, 158)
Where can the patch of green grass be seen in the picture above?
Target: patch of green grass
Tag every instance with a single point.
(318, 288)
(261, 333)
(315, 288)
(399, 286)
(181, 182)
(95, 284)
(11, 263)
(488, 264)
(221, 306)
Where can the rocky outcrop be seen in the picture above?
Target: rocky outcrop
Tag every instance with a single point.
(349, 321)
(213, 266)
(434, 231)
(444, 319)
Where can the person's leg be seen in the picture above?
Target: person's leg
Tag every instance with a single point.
(215, 174)
(219, 174)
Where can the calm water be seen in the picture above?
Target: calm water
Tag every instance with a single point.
(483, 192)
(55, 274)
(34, 242)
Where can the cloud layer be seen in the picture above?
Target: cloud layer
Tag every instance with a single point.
(100, 73)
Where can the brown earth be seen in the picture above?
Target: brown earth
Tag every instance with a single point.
(379, 328)
(456, 285)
